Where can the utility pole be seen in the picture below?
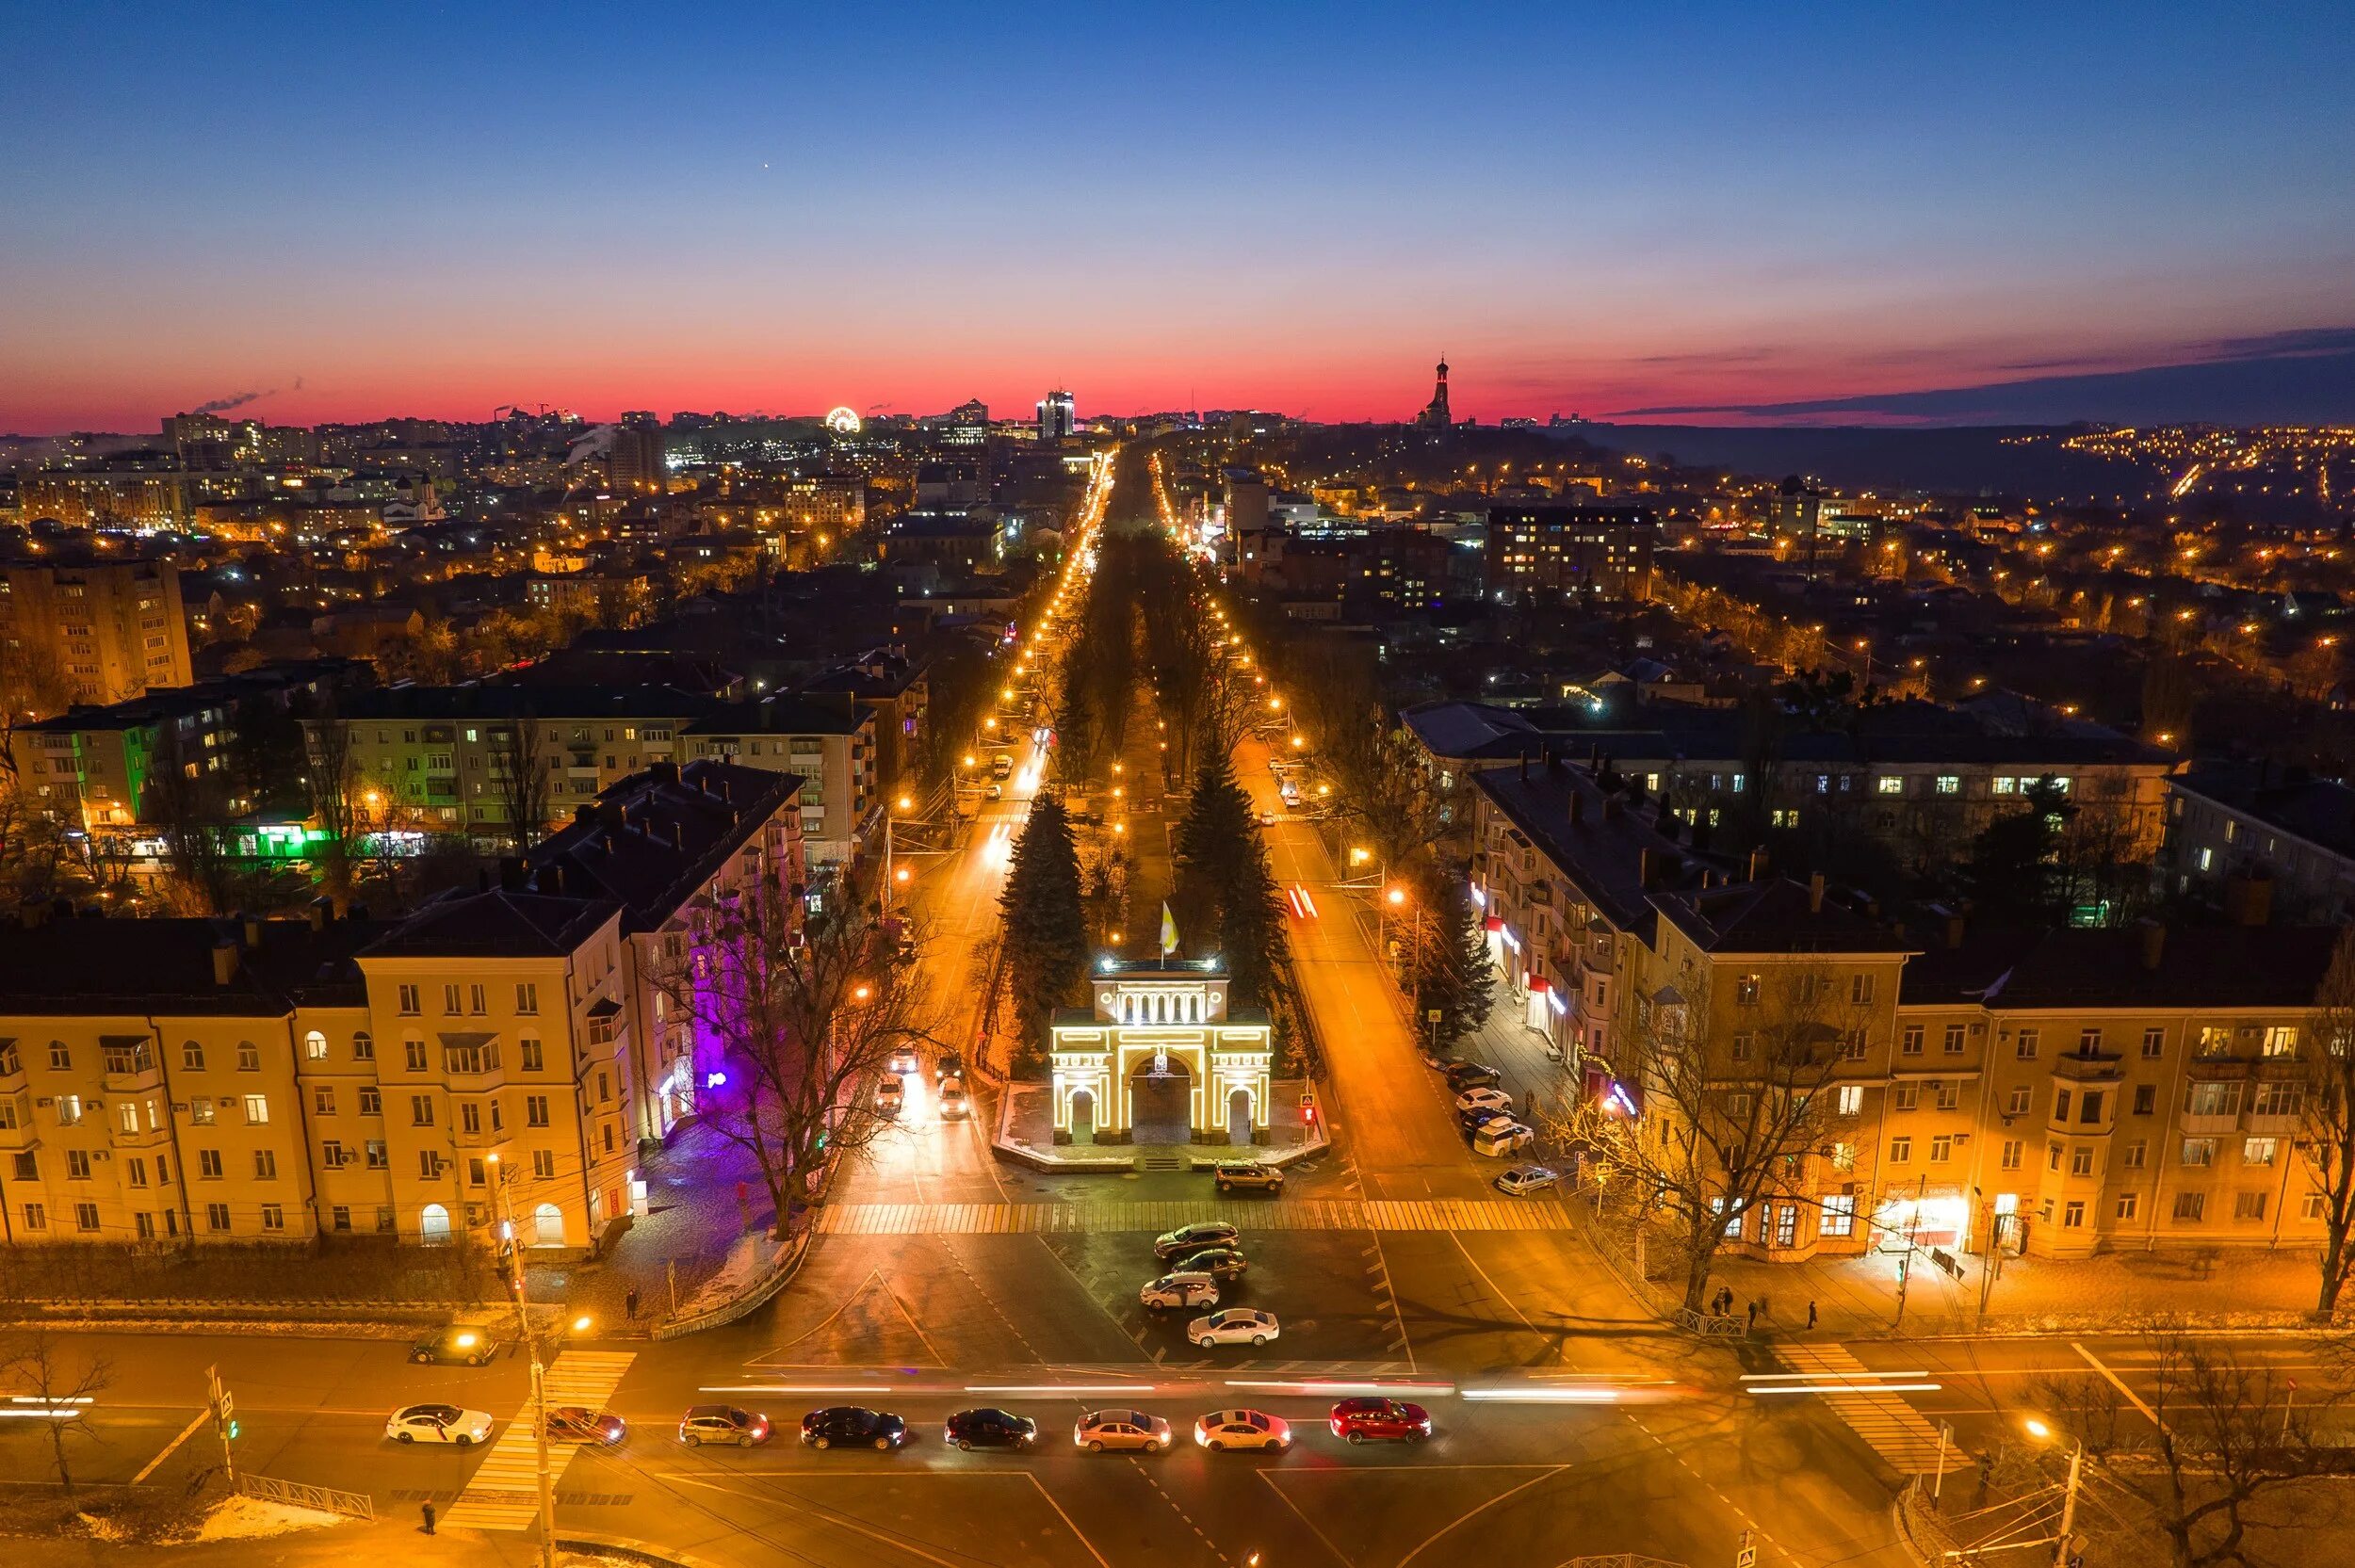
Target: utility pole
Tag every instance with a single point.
(1905, 1270)
(224, 1408)
(2069, 1506)
(539, 1371)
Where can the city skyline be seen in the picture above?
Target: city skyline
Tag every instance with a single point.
(1707, 219)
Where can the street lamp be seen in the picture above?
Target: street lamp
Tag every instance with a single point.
(2043, 1432)
(539, 1367)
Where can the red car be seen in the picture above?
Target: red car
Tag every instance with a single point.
(1383, 1420)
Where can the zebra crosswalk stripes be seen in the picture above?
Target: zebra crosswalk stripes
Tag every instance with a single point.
(503, 1494)
(1307, 1214)
(1890, 1426)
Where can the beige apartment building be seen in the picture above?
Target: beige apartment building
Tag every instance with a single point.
(96, 629)
(2062, 1092)
(275, 1081)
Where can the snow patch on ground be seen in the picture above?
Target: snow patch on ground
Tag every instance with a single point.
(250, 1518)
(103, 1528)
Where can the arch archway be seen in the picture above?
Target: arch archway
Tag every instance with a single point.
(433, 1225)
(547, 1226)
(1161, 1103)
(1083, 1117)
(1239, 1116)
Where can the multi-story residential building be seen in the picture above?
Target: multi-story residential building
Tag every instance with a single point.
(2061, 1092)
(1556, 551)
(893, 688)
(150, 497)
(674, 846)
(828, 741)
(104, 628)
(2234, 830)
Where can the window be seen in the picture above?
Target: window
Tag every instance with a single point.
(526, 997)
(605, 1087)
(60, 1059)
(414, 1051)
(36, 1217)
(86, 1216)
(429, 1165)
(375, 1155)
(384, 1224)
(535, 1110)
(273, 1218)
(1745, 991)
(1909, 1095)
(69, 1110)
(1889, 784)
(1900, 1150)
(216, 1217)
(411, 1003)
(323, 1099)
(475, 1172)
(1742, 1043)
(543, 1164)
(1786, 1224)
(363, 1046)
(2146, 1099)
(2196, 1152)
(248, 1057)
(2015, 1103)
(208, 1164)
(331, 1154)
(1941, 1148)
(314, 1046)
(2060, 1105)
(1844, 1156)
(2004, 785)
(1949, 1096)
(371, 1100)
(2214, 1039)
(1953, 1043)
(478, 1000)
(27, 1166)
(2213, 1099)
(2281, 1039)
(257, 1110)
(77, 1164)
(451, 995)
(2259, 1151)
(2027, 1045)
(1852, 1045)
(530, 1049)
(1849, 1099)
(265, 1165)
(11, 1063)
(2051, 1157)
(2316, 1206)
(2137, 1154)
(191, 1058)
(2013, 1150)
(2081, 1160)
(420, 1111)
(340, 1216)
(1909, 1043)
(2278, 1099)
(2127, 1204)
(1949, 784)
(1859, 988)
(2155, 1042)
(2089, 1043)
(469, 1117)
(138, 1169)
(2249, 1206)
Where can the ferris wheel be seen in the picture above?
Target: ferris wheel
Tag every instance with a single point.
(843, 421)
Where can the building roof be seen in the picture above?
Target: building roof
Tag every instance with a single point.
(2211, 966)
(650, 841)
(69, 965)
(2320, 811)
(480, 699)
(501, 923)
(1776, 914)
(812, 714)
(1469, 731)
(1615, 855)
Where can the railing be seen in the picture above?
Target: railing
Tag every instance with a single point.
(756, 1294)
(1711, 1325)
(1621, 1559)
(351, 1505)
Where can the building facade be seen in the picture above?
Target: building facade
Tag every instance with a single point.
(105, 629)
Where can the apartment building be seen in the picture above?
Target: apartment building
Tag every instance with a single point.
(2250, 824)
(826, 739)
(893, 686)
(674, 846)
(1547, 552)
(2058, 1092)
(97, 629)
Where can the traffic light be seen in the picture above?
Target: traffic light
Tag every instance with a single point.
(233, 1429)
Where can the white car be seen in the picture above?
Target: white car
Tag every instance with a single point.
(952, 1100)
(904, 1061)
(1234, 1326)
(1242, 1428)
(1499, 1138)
(1485, 1099)
(889, 1095)
(1180, 1290)
(1524, 1180)
(438, 1424)
(1100, 1430)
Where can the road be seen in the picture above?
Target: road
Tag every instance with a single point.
(1567, 1424)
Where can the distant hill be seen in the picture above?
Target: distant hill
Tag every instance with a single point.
(1960, 460)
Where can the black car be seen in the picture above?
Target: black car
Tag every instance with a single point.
(850, 1427)
(1472, 1074)
(456, 1346)
(1480, 1116)
(990, 1429)
(1221, 1263)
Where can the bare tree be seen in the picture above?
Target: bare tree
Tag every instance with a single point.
(1726, 1119)
(519, 777)
(2216, 1450)
(333, 776)
(199, 878)
(38, 1369)
(804, 1009)
(2325, 1087)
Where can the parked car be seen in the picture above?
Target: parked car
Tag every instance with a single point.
(1473, 1119)
(456, 1346)
(438, 1424)
(1248, 1175)
(1497, 1140)
(1484, 1099)
(581, 1424)
(1380, 1420)
(1222, 1429)
(1194, 1238)
(853, 1426)
(1100, 1430)
(1234, 1326)
(1191, 1289)
(1523, 1180)
(891, 1095)
(1222, 1264)
(952, 1100)
(703, 1424)
(1472, 1074)
(989, 1427)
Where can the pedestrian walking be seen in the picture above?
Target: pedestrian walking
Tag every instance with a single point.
(424, 1512)
(629, 1306)
(1810, 1315)
(1753, 1311)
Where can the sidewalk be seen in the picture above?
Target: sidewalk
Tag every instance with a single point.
(1857, 1297)
(693, 1221)
(395, 1539)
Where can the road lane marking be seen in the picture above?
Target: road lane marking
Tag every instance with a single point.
(2116, 1381)
(503, 1494)
(1470, 1514)
(1339, 1556)
(1888, 1425)
(1077, 1532)
(185, 1432)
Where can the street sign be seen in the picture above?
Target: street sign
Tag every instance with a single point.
(1746, 1557)
(1433, 1016)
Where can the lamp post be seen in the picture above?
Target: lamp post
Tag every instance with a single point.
(538, 1370)
(2044, 1433)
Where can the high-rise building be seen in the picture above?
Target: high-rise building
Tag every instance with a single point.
(1057, 415)
(637, 458)
(1541, 550)
(103, 629)
(1434, 415)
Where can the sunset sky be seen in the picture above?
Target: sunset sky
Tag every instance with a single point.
(435, 210)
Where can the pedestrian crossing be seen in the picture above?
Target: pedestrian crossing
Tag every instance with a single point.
(1306, 1214)
(504, 1492)
(1890, 1426)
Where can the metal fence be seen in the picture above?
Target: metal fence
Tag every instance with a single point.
(351, 1505)
(1621, 1559)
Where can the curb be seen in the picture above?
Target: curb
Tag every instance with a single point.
(614, 1545)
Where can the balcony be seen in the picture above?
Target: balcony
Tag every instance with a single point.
(2288, 1125)
(143, 1137)
(2084, 1067)
(22, 1136)
(2220, 1126)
